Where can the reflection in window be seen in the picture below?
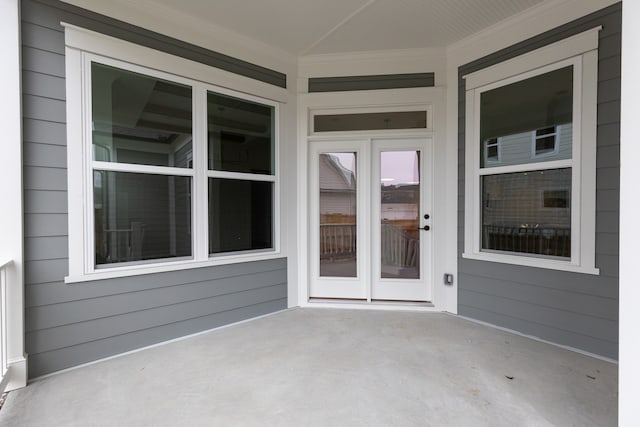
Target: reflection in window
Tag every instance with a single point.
(538, 109)
(240, 215)
(338, 216)
(514, 220)
(546, 141)
(138, 119)
(241, 137)
(141, 216)
(399, 215)
(370, 121)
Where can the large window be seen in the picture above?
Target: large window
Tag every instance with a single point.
(530, 176)
(174, 171)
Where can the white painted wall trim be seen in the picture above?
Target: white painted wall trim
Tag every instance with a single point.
(399, 61)
(629, 371)
(445, 297)
(11, 217)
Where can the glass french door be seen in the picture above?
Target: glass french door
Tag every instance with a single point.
(370, 219)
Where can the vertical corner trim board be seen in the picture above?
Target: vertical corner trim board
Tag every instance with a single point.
(68, 325)
(576, 310)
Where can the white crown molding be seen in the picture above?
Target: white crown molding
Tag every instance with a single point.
(373, 62)
(175, 23)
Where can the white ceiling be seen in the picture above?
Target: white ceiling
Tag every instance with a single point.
(308, 27)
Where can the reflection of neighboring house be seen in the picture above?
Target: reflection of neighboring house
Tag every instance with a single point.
(527, 147)
(337, 187)
(400, 202)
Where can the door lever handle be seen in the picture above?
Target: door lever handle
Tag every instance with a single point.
(426, 228)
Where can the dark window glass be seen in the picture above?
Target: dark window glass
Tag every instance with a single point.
(514, 219)
(141, 216)
(140, 119)
(555, 199)
(240, 215)
(531, 108)
(370, 121)
(241, 136)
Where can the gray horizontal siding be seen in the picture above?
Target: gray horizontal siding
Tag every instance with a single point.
(371, 82)
(572, 309)
(42, 363)
(71, 324)
(47, 14)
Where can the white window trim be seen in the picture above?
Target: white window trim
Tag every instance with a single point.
(581, 52)
(535, 138)
(83, 47)
(498, 145)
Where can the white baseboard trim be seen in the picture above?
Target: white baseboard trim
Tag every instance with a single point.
(160, 344)
(533, 337)
(16, 374)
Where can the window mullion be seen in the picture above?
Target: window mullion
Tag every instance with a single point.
(200, 228)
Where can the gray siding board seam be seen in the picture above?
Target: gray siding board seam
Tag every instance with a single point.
(71, 340)
(122, 30)
(167, 324)
(535, 304)
(371, 82)
(81, 354)
(163, 288)
(140, 310)
(541, 324)
(572, 292)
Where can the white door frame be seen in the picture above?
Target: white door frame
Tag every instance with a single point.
(444, 298)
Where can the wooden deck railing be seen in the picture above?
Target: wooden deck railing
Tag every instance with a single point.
(337, 240)
(542, 241)
(399, 249)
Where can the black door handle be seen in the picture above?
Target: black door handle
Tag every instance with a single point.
(426, 228)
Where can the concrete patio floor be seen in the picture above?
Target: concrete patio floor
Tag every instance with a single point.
(328, 367)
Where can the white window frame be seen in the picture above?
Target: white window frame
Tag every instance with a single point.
(498, 145)
(82, 48)
(581, 52)
(534, 139)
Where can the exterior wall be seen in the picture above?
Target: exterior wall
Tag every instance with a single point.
(71, 324)
(576, 310)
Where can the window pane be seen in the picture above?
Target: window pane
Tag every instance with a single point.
(528, 212)
(338, 219)
(370, 121)
(240, 215)
(141, 216)
(241, 136)
(400, 215)
(140, 119)
(528, 118)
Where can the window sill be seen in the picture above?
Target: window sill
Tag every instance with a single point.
(525, 261)
(138, 270)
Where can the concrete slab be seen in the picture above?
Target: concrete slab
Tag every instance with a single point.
(319, 367)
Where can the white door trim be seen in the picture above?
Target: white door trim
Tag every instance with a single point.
(445, 261)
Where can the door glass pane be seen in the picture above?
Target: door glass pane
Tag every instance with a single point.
(338, 223)
(400, 214)
(528, 212)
